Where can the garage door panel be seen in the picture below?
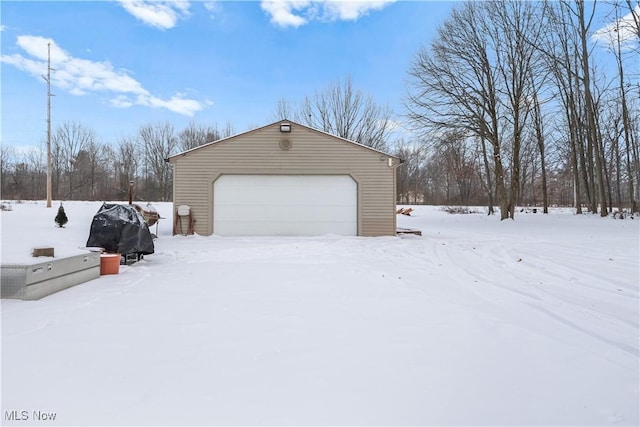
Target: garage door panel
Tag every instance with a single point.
(285, 205)
(298, 203)
(242, 228)
(263, 197)
(282, 213)
(306, 193)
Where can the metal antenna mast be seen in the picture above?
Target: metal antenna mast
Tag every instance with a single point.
(48, 80)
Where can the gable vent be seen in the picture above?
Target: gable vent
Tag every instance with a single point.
(285, 143)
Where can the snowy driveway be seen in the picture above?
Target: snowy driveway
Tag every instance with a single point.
(478, 322)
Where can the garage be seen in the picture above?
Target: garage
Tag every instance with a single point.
(285, 179)
(285, 205)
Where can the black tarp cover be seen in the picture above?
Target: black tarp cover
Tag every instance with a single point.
(120, 229)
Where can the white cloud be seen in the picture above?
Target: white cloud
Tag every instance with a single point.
(162, 14)
(352, 10)
(3, 27)
(281, 12)
(32, 67)
(81, 77)
(213, 7)
(294, 13)
(177, 104)
(624, 27)
(121, 101)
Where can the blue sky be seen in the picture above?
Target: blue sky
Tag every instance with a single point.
(123, 64)
(119, 66)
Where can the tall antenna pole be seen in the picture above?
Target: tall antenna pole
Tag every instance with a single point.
(48, 80)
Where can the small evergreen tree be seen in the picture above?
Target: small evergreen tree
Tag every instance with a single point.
(61, 217)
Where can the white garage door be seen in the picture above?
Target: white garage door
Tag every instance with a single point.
(285, 205)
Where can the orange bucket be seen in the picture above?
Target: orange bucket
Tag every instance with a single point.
(109, 264)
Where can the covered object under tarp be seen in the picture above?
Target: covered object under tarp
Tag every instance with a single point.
(120, 229)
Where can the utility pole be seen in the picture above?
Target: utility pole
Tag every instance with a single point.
(48, 80)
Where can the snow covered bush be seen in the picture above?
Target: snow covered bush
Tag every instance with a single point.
(460, 210)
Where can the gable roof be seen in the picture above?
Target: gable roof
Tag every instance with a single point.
(182, 153)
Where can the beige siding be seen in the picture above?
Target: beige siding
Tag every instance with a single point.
(311, 152)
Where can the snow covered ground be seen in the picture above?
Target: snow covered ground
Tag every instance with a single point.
(477, 322)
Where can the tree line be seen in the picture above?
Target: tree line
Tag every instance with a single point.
(507, 106)
(84, 168)
(514, 108)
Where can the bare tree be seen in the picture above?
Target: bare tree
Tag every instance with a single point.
(486, 174)
(458, 158)
(196, 135)
(585, 18)
(7, 159)
(159, 143)
(68, 140)
(623, 87)
(538, 124)
(127, 158)
(284, 110)
(410, 179)
(560, 49)
(634, 11)
(89, 169)
(569, 52)
(343, 111)
(35, 158)
(513, 26)
(455, 86)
